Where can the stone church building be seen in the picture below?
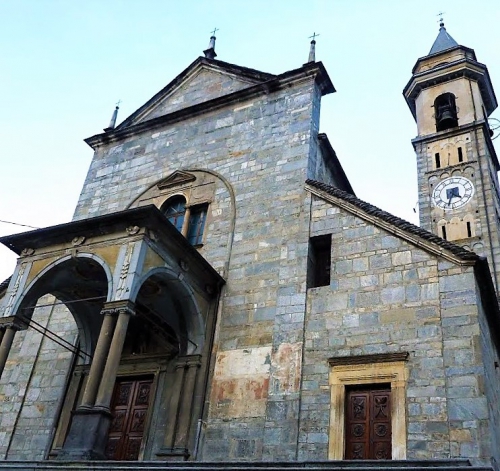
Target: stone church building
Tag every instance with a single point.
(221, 294)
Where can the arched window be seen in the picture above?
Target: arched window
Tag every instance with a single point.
(188, 220)
(445, 111)
(175, 210)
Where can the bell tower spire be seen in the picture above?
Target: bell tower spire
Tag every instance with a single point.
(450, 95)
(443, 41)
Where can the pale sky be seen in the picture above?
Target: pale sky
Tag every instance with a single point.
(65, 63)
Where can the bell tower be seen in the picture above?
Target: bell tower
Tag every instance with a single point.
(450, 95)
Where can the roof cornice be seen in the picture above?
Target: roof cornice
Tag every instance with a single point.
(443, 52)
(394, 225)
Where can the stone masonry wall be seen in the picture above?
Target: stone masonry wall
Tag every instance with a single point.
(33, 384)
(387, 295)
(491, 362)
(262, 148)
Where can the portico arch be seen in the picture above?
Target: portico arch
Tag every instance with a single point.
(161, 294)
(82, 283)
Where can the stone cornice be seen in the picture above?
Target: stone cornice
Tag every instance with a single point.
(368, 359)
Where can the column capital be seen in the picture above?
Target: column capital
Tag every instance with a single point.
(12, 322)
(117, 307)
(188, 361)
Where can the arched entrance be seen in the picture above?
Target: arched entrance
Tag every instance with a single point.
(145, 304)
(166, 327)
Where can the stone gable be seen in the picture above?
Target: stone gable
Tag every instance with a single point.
(203, 85)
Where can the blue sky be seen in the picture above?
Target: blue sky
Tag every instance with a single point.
(66, 62)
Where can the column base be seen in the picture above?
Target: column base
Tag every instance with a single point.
(173, 454)
(87, 436)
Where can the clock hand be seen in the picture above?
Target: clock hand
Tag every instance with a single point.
(449, 201)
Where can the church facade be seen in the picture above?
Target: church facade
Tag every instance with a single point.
(222, 294)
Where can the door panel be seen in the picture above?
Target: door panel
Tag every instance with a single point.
(129, 408)
(368, 424)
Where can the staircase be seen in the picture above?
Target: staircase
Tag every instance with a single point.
(354, 465)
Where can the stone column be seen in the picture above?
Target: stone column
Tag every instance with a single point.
(185, 223)
(174, 404)
(88, 431)
(7, 339)
(193, 364)
(176, 443)
(98, 361)
(107, 385)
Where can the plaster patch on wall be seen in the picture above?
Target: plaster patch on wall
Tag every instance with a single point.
(241, 383)
(286, 367)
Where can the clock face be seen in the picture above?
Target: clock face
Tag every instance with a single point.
(452, 193)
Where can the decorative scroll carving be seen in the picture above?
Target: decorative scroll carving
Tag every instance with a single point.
(358, 451)
(122, 282)
(132, 230)
(15, 289)
(359, 408)
(78, 241)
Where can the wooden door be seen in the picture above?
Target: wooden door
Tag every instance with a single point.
(368, 424)
(129, 408)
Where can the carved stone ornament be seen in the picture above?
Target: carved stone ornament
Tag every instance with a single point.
(132, 230)
(27, 252)
(78, 241)
(12, 322)
(114, 308)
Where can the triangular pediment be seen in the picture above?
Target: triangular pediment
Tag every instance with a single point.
(175, 179)
(202, 81)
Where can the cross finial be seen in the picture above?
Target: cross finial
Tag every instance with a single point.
(312, 49)
(210, 52)
(112, 123)
(441, 20)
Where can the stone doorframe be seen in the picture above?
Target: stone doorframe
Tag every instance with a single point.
(368, 369)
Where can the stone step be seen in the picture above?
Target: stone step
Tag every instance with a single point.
(346, 465)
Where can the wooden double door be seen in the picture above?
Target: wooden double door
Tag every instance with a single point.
(368, 424)
(129, 407)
